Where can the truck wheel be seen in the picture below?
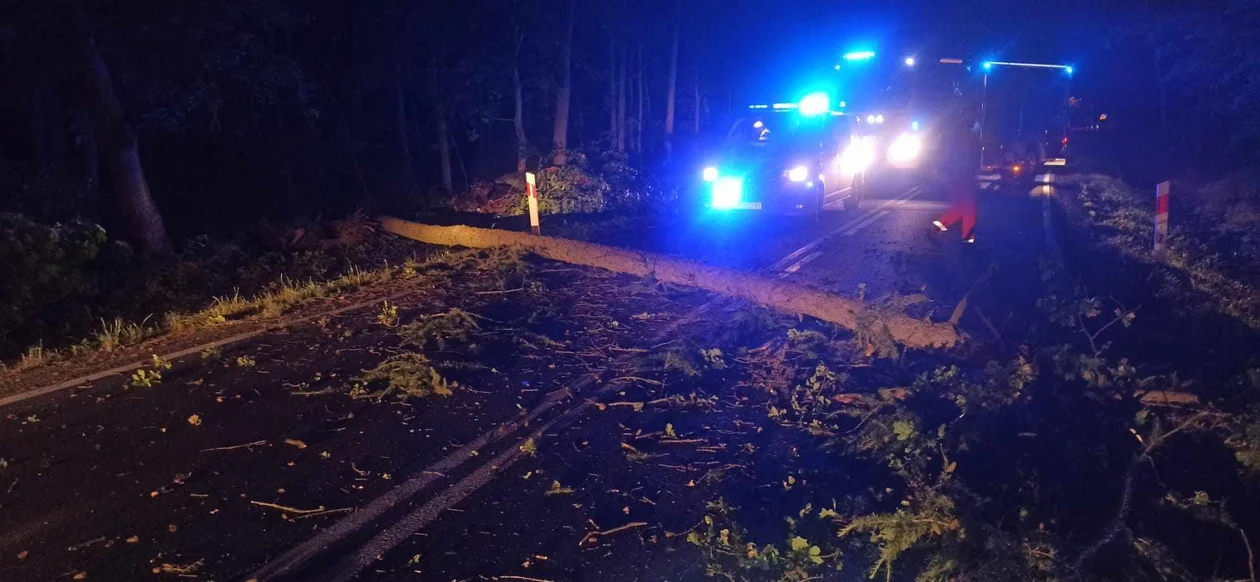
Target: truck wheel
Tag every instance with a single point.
(858, 193)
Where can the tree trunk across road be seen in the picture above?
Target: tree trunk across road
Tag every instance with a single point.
(773, 293)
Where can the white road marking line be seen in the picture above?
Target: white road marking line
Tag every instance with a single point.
(798, 264)
(299, 556)
(788, 260)
(867, 222)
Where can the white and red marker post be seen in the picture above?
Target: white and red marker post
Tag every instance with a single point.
(1161, 219)
(531, 191)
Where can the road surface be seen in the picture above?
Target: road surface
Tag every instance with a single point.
(541, 474)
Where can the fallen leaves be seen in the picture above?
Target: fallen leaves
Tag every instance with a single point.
(195, 420)
(295, 443)
(557, 489)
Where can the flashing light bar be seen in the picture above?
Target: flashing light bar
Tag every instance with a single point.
(951, 61)
(785, 106)
(1065, 68)
(859, 56)
(758, 106)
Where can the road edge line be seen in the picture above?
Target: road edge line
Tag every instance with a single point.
(171, 356)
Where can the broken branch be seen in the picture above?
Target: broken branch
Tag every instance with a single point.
(294, 510)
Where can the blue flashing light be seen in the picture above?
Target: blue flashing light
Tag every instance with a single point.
(859, 56)
(785, 105)
(988, 66)
(710, 174)
(843, 104)
(1068, 70)
(837, 67)
(914, 125)
(814, 104)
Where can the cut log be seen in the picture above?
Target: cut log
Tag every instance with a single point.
(773, 293)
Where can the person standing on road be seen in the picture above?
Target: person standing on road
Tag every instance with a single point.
(958, 174)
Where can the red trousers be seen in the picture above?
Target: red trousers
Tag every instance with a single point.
(962, 195)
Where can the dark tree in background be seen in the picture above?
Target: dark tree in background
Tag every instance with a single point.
(207, 116)
(118, 150)
(564, 92)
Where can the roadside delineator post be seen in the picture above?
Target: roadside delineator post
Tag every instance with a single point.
(1161, 219)
(531, 190)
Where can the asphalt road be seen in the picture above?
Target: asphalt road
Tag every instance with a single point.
(510, 529)
(484, 521)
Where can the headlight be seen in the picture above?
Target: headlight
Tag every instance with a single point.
(710, 174)
(905, 149)
(798, 174)
(857, 156)
(727, 193)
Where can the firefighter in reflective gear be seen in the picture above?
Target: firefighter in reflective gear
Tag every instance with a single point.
(959, 175)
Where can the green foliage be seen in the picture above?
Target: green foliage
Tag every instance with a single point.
(729, 554)
(47, 274)
(930, 517)
(713, 358)
(151, 376)
(404, 376)
(388, 315)
(144, 378)
(456, 325)
(809, 344)
(568, 189)
(1246, 445)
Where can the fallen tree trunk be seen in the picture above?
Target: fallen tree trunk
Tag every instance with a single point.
(771, 293)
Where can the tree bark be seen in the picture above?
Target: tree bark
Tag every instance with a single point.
(612, 88)
(439, 114)
(671, 88)
(621, 103)
(400, 101)
(518, 112)
(638, 119)
(560, 134)
(119, 148)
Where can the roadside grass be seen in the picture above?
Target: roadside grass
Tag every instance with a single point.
(1125, 218)
(279, 299)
